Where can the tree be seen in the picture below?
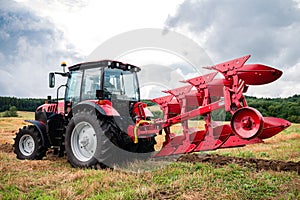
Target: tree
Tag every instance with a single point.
(12, 112)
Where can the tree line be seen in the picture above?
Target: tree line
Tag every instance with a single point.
(22, 104)
(286, 108)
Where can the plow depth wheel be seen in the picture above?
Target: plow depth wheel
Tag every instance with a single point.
(247, 123)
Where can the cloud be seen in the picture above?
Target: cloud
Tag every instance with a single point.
(33, 36)
(88, 23)
(268, 30)
(31, 46)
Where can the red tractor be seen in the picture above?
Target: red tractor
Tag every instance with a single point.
(101, 115)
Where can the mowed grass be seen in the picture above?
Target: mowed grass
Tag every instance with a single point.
(54, 178)
(10, 125)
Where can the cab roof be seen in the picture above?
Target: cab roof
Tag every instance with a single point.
(105, 63)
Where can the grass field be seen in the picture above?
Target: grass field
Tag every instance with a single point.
(9, 126)
(54, 178)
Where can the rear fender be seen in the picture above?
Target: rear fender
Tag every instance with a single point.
(42, 129)
(105, 109)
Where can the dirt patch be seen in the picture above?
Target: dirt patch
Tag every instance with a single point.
(6, 148)
(259, 164)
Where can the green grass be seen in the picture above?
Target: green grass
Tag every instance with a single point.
(294, 128)
(54, 178)
(175, 181)
(26, 115)
(21, 114)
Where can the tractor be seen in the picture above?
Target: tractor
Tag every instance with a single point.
(101, 115)
(81, 123)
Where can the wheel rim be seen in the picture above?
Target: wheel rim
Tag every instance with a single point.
(83, 141)
(247, 123)
(26, 145)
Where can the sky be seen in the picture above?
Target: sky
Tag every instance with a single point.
(36, 36)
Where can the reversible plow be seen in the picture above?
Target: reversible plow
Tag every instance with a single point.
(205, 94)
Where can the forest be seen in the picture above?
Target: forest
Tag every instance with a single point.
(22, 104)
(287, 108)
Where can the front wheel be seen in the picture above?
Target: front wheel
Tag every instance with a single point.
(28, 144)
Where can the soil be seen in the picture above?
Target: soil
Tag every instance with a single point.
(219, 160)
(6, 148)
(259, 164)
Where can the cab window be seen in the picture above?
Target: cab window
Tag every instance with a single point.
(90, 83)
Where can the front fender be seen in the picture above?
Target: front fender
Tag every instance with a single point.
(42, 128)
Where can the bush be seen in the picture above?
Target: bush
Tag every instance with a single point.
(12, 112)
(158, 114)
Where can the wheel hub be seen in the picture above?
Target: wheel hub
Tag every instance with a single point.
(83, 141)
(247, 123)
(26, 145)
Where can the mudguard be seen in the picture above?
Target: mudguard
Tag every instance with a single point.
(41, 127)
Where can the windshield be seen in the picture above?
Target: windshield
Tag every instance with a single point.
(122, 84)
(73, 88)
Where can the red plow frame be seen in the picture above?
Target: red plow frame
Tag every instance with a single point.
(204, 94)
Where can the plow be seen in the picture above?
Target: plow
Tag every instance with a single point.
(204, 94)
(102, 111)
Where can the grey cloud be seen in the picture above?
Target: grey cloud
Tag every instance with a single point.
(268, 30)
(31, 46)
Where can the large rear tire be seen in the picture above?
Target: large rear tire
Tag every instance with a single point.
(81, 138)
(28, 144)
(93, 141)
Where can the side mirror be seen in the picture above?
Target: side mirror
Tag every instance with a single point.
(51, 80)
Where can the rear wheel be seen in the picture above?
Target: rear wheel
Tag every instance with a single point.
(82, 134)
(28, 144)
(93, 141)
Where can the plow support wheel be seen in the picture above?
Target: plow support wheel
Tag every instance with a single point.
(247, 123)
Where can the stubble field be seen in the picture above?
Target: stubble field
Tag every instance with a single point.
(223, 174)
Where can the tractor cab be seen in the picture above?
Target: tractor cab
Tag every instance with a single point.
(110, 81)
(101, 80)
